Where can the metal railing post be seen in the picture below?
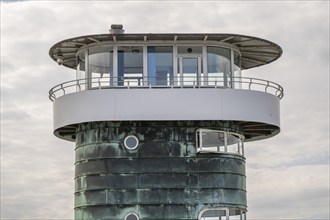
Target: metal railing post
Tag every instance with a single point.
(63, 89)
(78, 84)
(227, 214)
(225, 141)
(267, 86)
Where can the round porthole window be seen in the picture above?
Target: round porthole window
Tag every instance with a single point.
(131, 142)
(131, 216)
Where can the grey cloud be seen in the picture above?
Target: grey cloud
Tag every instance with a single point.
(37, 168)
(11, 1)
(14, 112)
(296, 192)
(32, 173)
(298, 205)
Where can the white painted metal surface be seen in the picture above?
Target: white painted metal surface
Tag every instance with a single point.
(166, 104)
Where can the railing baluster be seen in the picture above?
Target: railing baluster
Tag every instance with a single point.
(78, 84)
(267, 86)
(63, 89)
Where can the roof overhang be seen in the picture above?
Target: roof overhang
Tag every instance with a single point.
(254, 51)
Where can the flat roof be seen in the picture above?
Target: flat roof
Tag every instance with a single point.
(254, 51)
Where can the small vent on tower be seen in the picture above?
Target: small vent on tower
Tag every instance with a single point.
(117, 29)
(131, 142)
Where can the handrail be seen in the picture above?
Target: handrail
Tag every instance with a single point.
(79, 85)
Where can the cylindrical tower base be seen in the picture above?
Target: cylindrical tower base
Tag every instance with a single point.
(157, 175)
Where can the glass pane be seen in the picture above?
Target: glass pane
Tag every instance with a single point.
(232, 139)
(100, 66)
(213, 139)
(81, 76)
(237, 71)
(218, 65)
(99, 61)
(219, 141)
(130, 65)
(233, 144)
(213, 214)
(189, 71)
(160, 65)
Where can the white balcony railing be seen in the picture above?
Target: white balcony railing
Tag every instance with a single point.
(166, 82)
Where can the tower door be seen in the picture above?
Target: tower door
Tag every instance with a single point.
(189, 73)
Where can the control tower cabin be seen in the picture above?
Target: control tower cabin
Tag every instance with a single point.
(159, 122)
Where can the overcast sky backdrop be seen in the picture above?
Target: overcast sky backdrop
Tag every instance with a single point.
(287, 176)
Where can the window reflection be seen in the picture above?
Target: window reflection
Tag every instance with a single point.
(237, 71)
(217, 141)
(130, 66)
(81, 76)
(218, 66)
(159, 68)
(160, 65)
(100, 61)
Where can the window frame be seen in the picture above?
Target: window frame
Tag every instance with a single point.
(226, 135)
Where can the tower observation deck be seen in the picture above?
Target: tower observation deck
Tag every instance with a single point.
(159, 121)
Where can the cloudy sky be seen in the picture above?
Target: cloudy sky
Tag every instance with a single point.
(288, 175)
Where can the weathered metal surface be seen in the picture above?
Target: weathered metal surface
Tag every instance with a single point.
(164, 178)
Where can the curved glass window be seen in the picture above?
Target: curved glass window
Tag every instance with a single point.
(237, 71)
(81, 70)
(227, 213)
(160, 65)
(95, 66)
(81, 76)
(218, 66)
(100, 61)
(100, 67)
(217, 141)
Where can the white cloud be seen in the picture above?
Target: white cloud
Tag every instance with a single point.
(288, 175)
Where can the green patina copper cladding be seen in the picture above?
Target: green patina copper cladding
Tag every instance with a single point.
(164, 178)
